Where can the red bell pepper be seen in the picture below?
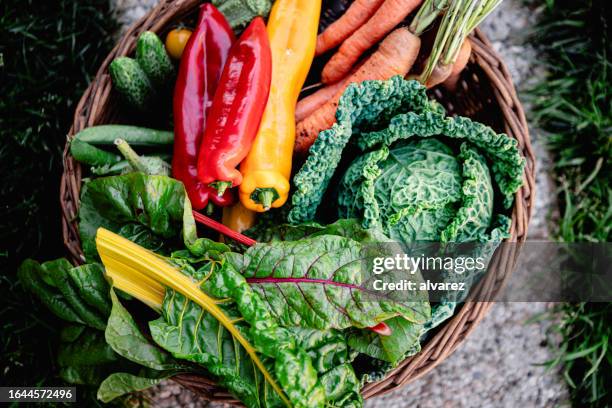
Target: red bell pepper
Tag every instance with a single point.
(199, 73)
(237, 108)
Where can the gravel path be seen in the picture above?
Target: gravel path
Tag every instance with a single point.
(497, 366)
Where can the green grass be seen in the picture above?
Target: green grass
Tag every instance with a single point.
(48, 52)
(584, 353)
(573, 106)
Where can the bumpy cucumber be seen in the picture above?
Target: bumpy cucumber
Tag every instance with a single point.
(132, 82)
(152, 57)
(134, 135)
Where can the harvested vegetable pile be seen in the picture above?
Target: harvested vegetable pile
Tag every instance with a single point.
(282, 315)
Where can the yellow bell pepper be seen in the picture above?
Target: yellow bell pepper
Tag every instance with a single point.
(238, 218)
(292, 30)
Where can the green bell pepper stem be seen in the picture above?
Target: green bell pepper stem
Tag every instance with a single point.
(221, 186)
(265, 196)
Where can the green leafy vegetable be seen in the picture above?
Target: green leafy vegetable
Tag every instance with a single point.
(319, 282)
(152, 363)
(419, 191)
(84, 357)
(149, 210)
(380, 113)
(348, 228)
(240, 12)
(249, 315)
(118, 384)
(367, 106)
(507, 162)
(403, 342)
(190, 333)
(73, 294)
(329, 353)
(94, 348)
(124, 336)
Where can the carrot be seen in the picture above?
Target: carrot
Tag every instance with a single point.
(389, 15)
(462, 59)
(460, 18)
(306, 106)
(355, 16)
(394, 56)
(438, 75)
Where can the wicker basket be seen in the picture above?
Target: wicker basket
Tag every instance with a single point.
(486, 94)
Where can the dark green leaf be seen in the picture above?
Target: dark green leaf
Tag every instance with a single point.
(74, 294)
(348, 228)
(319, 282)
(92, 286)
(84, 357)
(124, 336)
(150, 210)
(190, 333)
(403, 341)
(118, 384)
(30, 274)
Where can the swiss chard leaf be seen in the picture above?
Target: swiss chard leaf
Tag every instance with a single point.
(348, 228)
(75, 294)
(290, 364)
(85, 358)
(319, 282)
(31, 274)
(119, 384)
(149, 210)
(142, 363)
(342, 388)
(329, 352)
(124, 336)
(92, 286)
(190, 333)
(403, 341)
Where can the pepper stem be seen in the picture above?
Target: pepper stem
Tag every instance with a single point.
(210, 208)
(265, 196)
(221, 186)
(130, 155)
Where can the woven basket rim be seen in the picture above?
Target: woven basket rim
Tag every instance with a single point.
(92, 109)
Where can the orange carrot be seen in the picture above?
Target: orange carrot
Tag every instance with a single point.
(306, 106)
(462, 59)
(394, 56)
(354, 17)
(389, 15)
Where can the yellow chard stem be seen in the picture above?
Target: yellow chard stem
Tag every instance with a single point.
(139, 272)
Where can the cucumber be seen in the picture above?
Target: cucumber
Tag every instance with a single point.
(88, 154)
(152, 57)
(132, 82)
(134, 135)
